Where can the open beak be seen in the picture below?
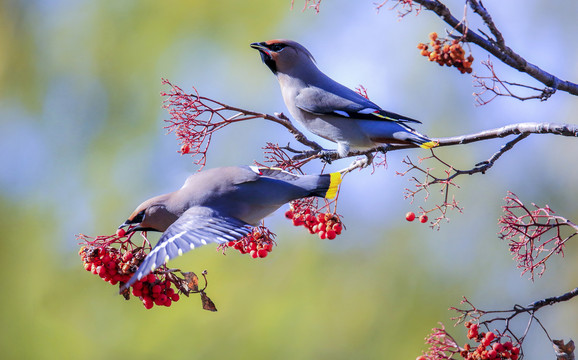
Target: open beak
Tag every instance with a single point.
(132, 226)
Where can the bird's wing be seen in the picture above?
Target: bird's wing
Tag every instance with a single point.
(275, 173)
(321, 102)
(197, 226)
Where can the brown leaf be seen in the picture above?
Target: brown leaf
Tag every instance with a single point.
(125, 292)
(564, 351)
(208, 304)
(192, 281)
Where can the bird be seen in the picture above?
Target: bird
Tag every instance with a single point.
(218, 205)
(331, 110)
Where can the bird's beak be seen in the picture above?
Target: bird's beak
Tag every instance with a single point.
(260, 46)
(132, 226)
(265, 52)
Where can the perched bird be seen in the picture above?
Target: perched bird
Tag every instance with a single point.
(219, 205)
(329, 109)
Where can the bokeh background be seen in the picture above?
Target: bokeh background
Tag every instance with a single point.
(82, 143)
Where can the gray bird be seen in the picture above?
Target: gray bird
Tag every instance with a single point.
(219, 205)
(329, 109)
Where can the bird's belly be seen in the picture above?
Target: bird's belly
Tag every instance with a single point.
(338, 130)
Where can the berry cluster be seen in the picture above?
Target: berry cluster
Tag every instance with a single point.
(259, 243)
(410, 216)
(490, 346)
(154, 291)
(327, 225)
(116, 258)
(447, 52)
(117, 266)
(108, 263)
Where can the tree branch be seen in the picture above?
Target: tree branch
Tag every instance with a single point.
(497, 47)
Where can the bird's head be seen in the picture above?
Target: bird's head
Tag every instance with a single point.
(284, 56)
(151, 215)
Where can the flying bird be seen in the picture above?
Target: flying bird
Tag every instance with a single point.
(219, 205)
(331, 110)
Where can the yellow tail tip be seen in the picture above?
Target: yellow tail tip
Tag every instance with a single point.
(429, 144)
(335, 180)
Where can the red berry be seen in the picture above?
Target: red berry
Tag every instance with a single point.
(136, 292)
(175, 297)
(185, 149)
(168, 302)
(337, 227)
(262, 253)
(330, 234)
(137, 285)
(157, 289)
(490, 336)
(486, 341)
(498, 347)
(127, 256)
(492, 354)
(151, 278)
(148, 303)
(101, 270)
(289, 214)
(322, 235)
(423, 219)
(508, 345)
(410, 216)
(254, 254)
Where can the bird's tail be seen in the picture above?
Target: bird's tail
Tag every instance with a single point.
(327, 185)
(418, 139)
(429, 144)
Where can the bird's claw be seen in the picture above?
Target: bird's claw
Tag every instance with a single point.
(362, 163)
(384, 148)
(327, 155)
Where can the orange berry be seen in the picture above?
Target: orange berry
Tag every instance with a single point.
(433, 36)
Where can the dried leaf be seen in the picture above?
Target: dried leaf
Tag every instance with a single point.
(192, 281)
(123, 291)
(564, 351)
(208, 304)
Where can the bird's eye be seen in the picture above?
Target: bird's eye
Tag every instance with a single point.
(139, 217)
(277, 47)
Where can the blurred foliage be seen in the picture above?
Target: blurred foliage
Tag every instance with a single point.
(81, 137)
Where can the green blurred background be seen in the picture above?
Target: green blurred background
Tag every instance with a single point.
(82, 143)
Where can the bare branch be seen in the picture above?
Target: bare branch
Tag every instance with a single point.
(533, 235)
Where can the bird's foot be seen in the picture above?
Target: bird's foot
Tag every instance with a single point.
(361, 163)
(327, 156)
(384, 148)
